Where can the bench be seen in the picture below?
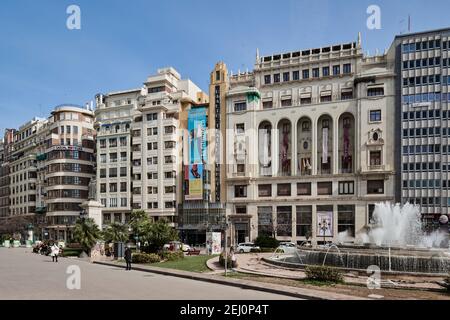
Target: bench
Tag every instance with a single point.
(193, 252)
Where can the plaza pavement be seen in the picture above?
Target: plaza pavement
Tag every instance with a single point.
(28, 276)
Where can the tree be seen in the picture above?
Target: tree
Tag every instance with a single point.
(86, 233)
(116, 232)
(139, 222)
(158, 233)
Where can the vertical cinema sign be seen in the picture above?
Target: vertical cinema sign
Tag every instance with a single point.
(217, 151)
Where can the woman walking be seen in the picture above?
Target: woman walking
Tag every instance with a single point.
(54, 252)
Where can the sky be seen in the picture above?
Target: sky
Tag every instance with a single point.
(44, 64)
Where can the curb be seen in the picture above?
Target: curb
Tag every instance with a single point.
(244, 284)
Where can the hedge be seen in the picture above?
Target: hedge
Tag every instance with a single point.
(172, 255)
(145, 258)
(71, 252)
(266, 242)
(324, 273)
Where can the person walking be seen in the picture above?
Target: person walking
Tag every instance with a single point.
(54, 252)
(128, 257)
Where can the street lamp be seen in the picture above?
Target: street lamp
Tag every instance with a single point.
(324, 226)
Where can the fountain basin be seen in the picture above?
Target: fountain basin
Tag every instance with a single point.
(415, 261)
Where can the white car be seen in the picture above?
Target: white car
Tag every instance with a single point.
(246, 247)
(177, 245)
(286, 247)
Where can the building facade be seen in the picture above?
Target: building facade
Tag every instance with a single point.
(309, 148)
(421, 64)
(69, 167)
(114, 116)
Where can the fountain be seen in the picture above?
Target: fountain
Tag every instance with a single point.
(395, 241)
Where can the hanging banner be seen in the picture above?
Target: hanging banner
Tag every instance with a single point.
(264, 148)
(197, 128)
(325, 223)
(325, 145)
(195, 172)
(346, 144)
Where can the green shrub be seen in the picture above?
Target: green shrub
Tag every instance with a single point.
(255, 250)
(324, 273)
(70, 252)
(172, 255)
(266, 242)
(145, 258)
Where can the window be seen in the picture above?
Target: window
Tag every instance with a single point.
(240, 128)
(240, 191)
(123, 141)
(305, 100)
(102, 143)
(324, 188)
(296, 75)
(315, 72)
(240, 106)
(325, 71)
(326, 98)
(375, 115)
(346, 219)
(103, 188)
(265, 225)
(304, 221)
(304, 189)
(346, 187)
(123, 171)
(113, 187)
(169, 144)
(284, 189)
(375, 158)
(112, 172)
(123, 203)
(113, 143)
(267, 79)
(265, 190)
(268, 104)
(373, 92)
(346, 95)
(152, 116)
(285, 76)
(217, 75)
(123, 187)
(284, 221)
(336, 70)
(103, 158)
(241, 209)
(305, 74)
(347, 68)
(375, 186)
(123, 156)
(276, 78)
(286, 102)
(113, 202)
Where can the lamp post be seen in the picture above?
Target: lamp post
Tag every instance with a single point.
(324, 226)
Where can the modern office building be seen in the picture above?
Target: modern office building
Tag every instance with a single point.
(114, 115)
(422, 120)
(309, 144)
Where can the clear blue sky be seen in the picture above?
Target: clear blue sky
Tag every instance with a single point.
(43, 64)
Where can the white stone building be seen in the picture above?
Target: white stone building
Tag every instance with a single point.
(309, 144)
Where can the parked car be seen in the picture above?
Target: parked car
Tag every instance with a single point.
(286, 247)
(247, 247)
(176, 245)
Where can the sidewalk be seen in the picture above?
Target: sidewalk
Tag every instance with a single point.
(302, 293)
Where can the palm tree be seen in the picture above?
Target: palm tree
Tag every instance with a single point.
(116, 232)
(86, 233)
(158, 233)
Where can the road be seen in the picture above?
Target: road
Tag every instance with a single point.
(24, 275)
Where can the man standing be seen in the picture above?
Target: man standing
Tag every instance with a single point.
(128, 257)
(54, 252)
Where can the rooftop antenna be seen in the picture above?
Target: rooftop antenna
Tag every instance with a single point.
(409, 23)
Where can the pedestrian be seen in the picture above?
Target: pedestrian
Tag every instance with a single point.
(128, 257)
(54, 252)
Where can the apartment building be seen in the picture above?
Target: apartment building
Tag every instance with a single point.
(422, 121)
(5, 176)
(114, 115)
(309, 144)
(69, 167)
